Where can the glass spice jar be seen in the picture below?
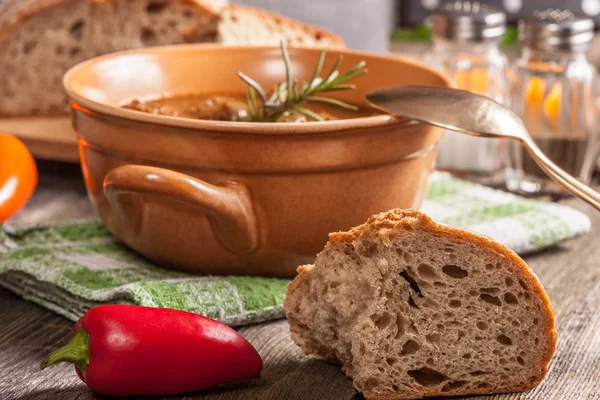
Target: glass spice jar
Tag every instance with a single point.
(465, 48)
(553, 88)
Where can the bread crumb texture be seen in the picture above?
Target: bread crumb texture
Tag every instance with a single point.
(411, 308)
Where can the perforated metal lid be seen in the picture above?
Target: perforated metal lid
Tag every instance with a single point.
(556, 30)
(468, 21)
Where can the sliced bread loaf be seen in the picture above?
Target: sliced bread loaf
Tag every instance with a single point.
(41, 39)
(411, 308)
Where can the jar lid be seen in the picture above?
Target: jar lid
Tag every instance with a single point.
(556, 30)
(468, 21)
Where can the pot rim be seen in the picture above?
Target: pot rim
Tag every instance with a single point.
(263, 128)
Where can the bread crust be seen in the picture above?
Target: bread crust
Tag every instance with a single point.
(335, 40)
(407, 219)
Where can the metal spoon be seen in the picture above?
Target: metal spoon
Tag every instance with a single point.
(476, 115)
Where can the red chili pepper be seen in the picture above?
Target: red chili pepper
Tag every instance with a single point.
(123, 350)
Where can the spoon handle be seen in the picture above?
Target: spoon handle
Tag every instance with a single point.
(560, 176)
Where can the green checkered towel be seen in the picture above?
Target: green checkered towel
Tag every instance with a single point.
(69, 268)
(523, 225)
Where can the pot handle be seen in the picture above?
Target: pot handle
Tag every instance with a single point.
(228, 206)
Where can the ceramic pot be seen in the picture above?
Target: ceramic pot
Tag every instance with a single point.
(220, 197)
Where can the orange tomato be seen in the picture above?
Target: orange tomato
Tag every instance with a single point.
(18, 175)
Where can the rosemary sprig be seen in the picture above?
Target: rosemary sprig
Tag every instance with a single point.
(289, 97)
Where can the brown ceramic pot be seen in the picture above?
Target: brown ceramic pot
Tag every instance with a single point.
(232, 197)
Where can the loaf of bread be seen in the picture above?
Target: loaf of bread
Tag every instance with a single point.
(41, 39)
(411, 309)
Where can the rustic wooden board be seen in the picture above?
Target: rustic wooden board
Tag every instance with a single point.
(48, 138)
(570, 273)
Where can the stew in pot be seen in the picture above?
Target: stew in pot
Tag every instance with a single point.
(289, 101)
(232, 108)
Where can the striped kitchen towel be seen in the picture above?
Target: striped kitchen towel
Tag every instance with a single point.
(69, 268)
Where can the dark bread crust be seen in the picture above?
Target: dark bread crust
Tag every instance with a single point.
(397, 220)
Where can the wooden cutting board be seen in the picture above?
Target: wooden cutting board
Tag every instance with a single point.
(48, 138)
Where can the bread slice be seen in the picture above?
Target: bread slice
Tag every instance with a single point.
(244, 25)
(41, 39)
(411, 308)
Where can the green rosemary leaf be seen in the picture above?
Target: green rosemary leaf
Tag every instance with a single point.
(275, 107)
(288, 73)
(337, 88)
(357, 66)
(347, 77)
(289, 96)
(307, 113)
(334, 70)
(296, 92)
(277, 115)
(319, 65)
(251, 110)
(278, 93)
(253, 84)
(314, 83)
(330, 79)
(329, 100)
(283, 93)
(357, 69)
(253, 100)
(275, 95)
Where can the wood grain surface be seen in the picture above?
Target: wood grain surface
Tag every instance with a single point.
(569, 272)
(50, 138)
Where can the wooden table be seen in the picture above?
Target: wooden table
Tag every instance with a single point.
(570, 274)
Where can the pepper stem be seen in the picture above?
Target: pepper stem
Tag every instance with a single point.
(76, 352)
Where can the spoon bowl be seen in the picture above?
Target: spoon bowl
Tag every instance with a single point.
(476, 115)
